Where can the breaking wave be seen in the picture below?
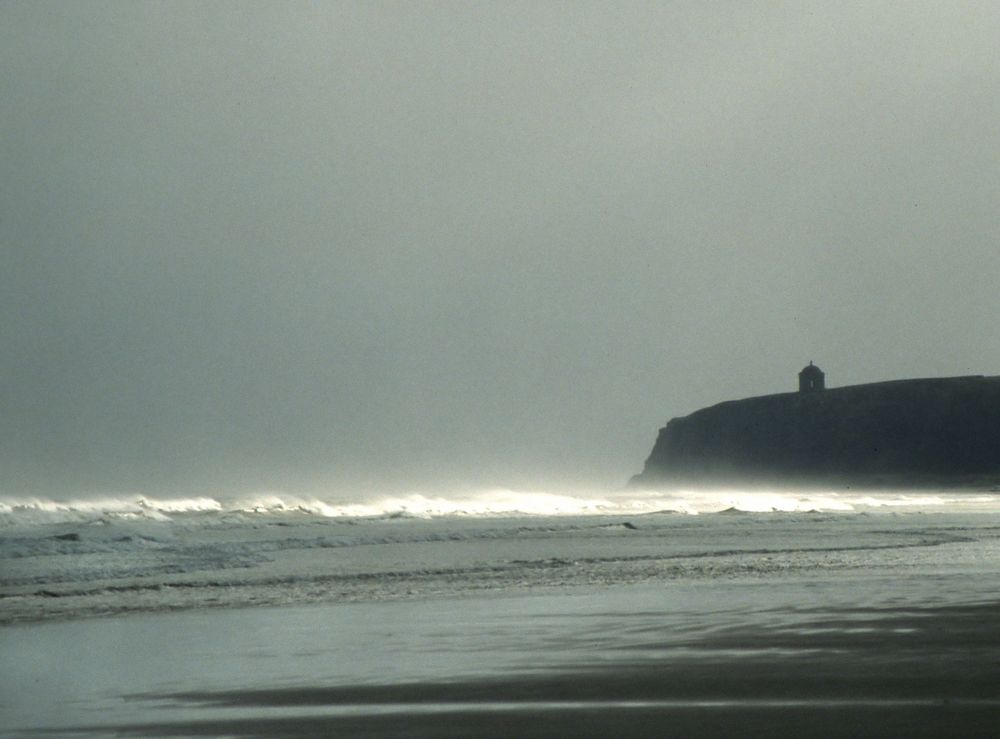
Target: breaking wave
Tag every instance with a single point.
(480, 504)
(94, 556)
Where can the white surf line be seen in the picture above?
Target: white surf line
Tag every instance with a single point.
(381, 709)
(179, 716)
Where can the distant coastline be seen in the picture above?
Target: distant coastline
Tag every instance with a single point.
(934, 432)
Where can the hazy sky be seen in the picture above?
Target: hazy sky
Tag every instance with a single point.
(360, 246)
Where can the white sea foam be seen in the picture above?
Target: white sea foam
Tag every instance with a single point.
(35, 510)
(28, 511)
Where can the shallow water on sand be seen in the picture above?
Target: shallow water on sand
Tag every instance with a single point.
(669, 648)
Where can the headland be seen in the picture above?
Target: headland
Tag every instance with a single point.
(937, 432)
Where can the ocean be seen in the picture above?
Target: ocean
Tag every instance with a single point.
(502, 613)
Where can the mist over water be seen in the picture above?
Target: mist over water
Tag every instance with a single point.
(360, 247)
(488, 503)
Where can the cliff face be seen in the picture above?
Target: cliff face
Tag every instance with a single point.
(905, 432)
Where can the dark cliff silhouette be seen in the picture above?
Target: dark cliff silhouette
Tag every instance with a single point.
(900, 433)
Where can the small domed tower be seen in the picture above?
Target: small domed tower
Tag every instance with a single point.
(811, 379)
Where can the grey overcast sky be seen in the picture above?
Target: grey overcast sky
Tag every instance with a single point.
(365, 246)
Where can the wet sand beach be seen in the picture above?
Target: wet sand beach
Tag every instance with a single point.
(546, 666)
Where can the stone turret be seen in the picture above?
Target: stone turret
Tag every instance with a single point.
(811, 379)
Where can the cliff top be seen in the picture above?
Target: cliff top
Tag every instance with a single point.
(940, 430)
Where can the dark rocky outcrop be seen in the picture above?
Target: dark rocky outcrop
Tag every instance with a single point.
(901, 433)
